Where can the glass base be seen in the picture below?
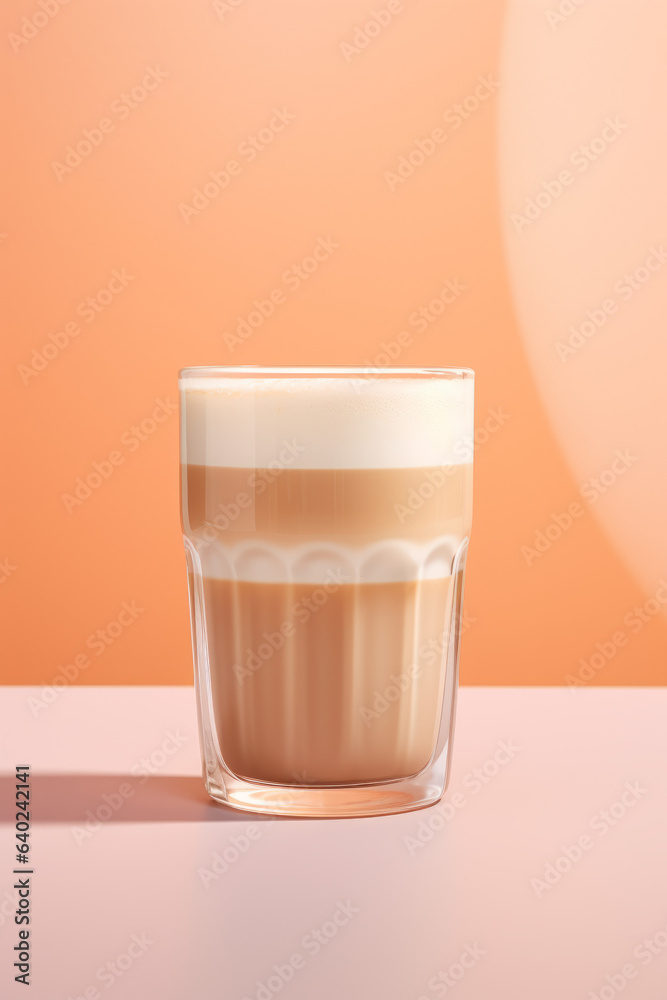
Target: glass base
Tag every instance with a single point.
(329, 801)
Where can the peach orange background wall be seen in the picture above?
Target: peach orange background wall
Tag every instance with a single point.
(169, 162)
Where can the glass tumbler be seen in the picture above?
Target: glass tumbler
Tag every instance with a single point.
(326, 515)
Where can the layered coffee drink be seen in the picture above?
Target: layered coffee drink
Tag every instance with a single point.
(326, 519)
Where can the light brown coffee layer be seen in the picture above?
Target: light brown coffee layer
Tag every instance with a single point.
(327, 684)
(328, 503)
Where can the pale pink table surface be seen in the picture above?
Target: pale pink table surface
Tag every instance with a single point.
(407, 910)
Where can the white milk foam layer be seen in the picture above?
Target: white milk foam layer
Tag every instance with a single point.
(326, 423)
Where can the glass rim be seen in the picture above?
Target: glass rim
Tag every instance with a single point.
(278, 371)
